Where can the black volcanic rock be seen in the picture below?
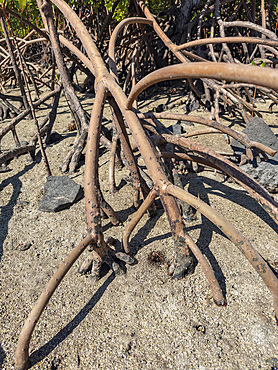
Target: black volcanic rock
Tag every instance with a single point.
(265, 172)
(59, 193)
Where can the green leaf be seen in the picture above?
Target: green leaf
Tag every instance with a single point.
(109, 5)
(22, 4)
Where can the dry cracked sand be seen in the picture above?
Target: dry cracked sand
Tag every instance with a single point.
(142, 319)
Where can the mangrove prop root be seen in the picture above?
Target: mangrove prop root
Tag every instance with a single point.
(22, 349)
(215, 288)
(253, 188)
(259, 264)
(107, 86)
(182, 262)
(137, 217)
(230, 72)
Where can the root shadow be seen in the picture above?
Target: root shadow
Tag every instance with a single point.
(207, 228)
(47, 348)
(7, 210)
(2, 356)
(138, 241)
(242, 198)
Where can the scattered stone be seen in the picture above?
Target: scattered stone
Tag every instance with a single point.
(257, 130)
(201, 328)
(265, 172)
(23, 246)
(59, 193)
(177, 128)
(191, 106)
(160, 108)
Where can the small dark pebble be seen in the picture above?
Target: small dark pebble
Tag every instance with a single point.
(160, 108)
(200, 328)
(23, 247)
(191, 106)
(177, 128)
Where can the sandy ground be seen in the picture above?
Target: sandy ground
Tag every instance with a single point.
(143, 319)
